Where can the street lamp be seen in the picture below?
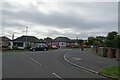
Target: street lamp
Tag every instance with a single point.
(26, 38)
(13, 36)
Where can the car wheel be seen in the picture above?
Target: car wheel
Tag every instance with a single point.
(45, 49)
(33, 49)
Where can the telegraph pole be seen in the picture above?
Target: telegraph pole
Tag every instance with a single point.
(26, 39)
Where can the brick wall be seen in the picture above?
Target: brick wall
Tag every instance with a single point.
(107, 52)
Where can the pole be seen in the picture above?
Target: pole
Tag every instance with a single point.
(13, 36)
(11, 43)
(26, 39)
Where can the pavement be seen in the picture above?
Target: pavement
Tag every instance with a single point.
(50, 64)
(89, 60)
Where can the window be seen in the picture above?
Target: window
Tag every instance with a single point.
(19, 44)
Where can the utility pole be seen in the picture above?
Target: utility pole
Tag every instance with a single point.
(13, 36)
(11, 42)
(26, 39)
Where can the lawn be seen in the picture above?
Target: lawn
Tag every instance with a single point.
(112, 71)
(20, 50)
(13, 50)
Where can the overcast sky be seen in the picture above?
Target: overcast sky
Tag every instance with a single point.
(53, 19)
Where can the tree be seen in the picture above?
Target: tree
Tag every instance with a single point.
(91, 40)
(101, 40)
(116, 42)
(111, 40)
(80, 41)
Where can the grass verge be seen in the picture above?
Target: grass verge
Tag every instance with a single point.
(111, 71)
(21, 50)
(13, 50)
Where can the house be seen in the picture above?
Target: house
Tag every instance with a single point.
(4, 42)
(23, 41)
(41, 42)
(62, 41)
(49, 41)
(74, 43)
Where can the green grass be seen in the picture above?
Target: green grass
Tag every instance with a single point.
(112, 71)
(13, 50)
(20, 50)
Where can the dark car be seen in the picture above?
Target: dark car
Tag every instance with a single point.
(39, 48)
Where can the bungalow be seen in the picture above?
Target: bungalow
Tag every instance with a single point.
(74, 43)
(62, 41)
(41, 42)
(49, 41)
(23, 41)
(4, 42)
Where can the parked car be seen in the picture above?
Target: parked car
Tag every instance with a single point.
(54, 47)
(39, 48)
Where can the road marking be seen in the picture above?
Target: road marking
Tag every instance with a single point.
(35, 61)
(58, 76)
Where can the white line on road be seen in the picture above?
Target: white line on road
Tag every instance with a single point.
(35, 61)
(58, 76)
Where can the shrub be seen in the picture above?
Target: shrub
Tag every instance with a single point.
(15, 47)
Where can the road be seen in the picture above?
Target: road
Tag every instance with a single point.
(90, 59)
(41, 64)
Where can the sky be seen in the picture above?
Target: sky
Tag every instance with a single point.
(53, 19)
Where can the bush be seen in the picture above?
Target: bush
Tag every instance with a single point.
(15, 47)
(28, 46)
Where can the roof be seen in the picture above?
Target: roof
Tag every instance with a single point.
(28, 38)
(48, 39)
(62, 39)
(4, 38)
(73, 40)
(41, 40)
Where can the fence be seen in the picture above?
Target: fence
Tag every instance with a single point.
(107, 52)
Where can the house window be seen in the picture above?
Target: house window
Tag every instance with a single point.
(62, 43)
(19, 44)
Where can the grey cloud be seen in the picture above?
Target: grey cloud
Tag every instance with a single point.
(9, 23)
(84, 35)
(102, 17)
(58, 19)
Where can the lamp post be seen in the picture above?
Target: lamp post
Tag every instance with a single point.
(11, 42)
(13, 36)
(26, 39)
